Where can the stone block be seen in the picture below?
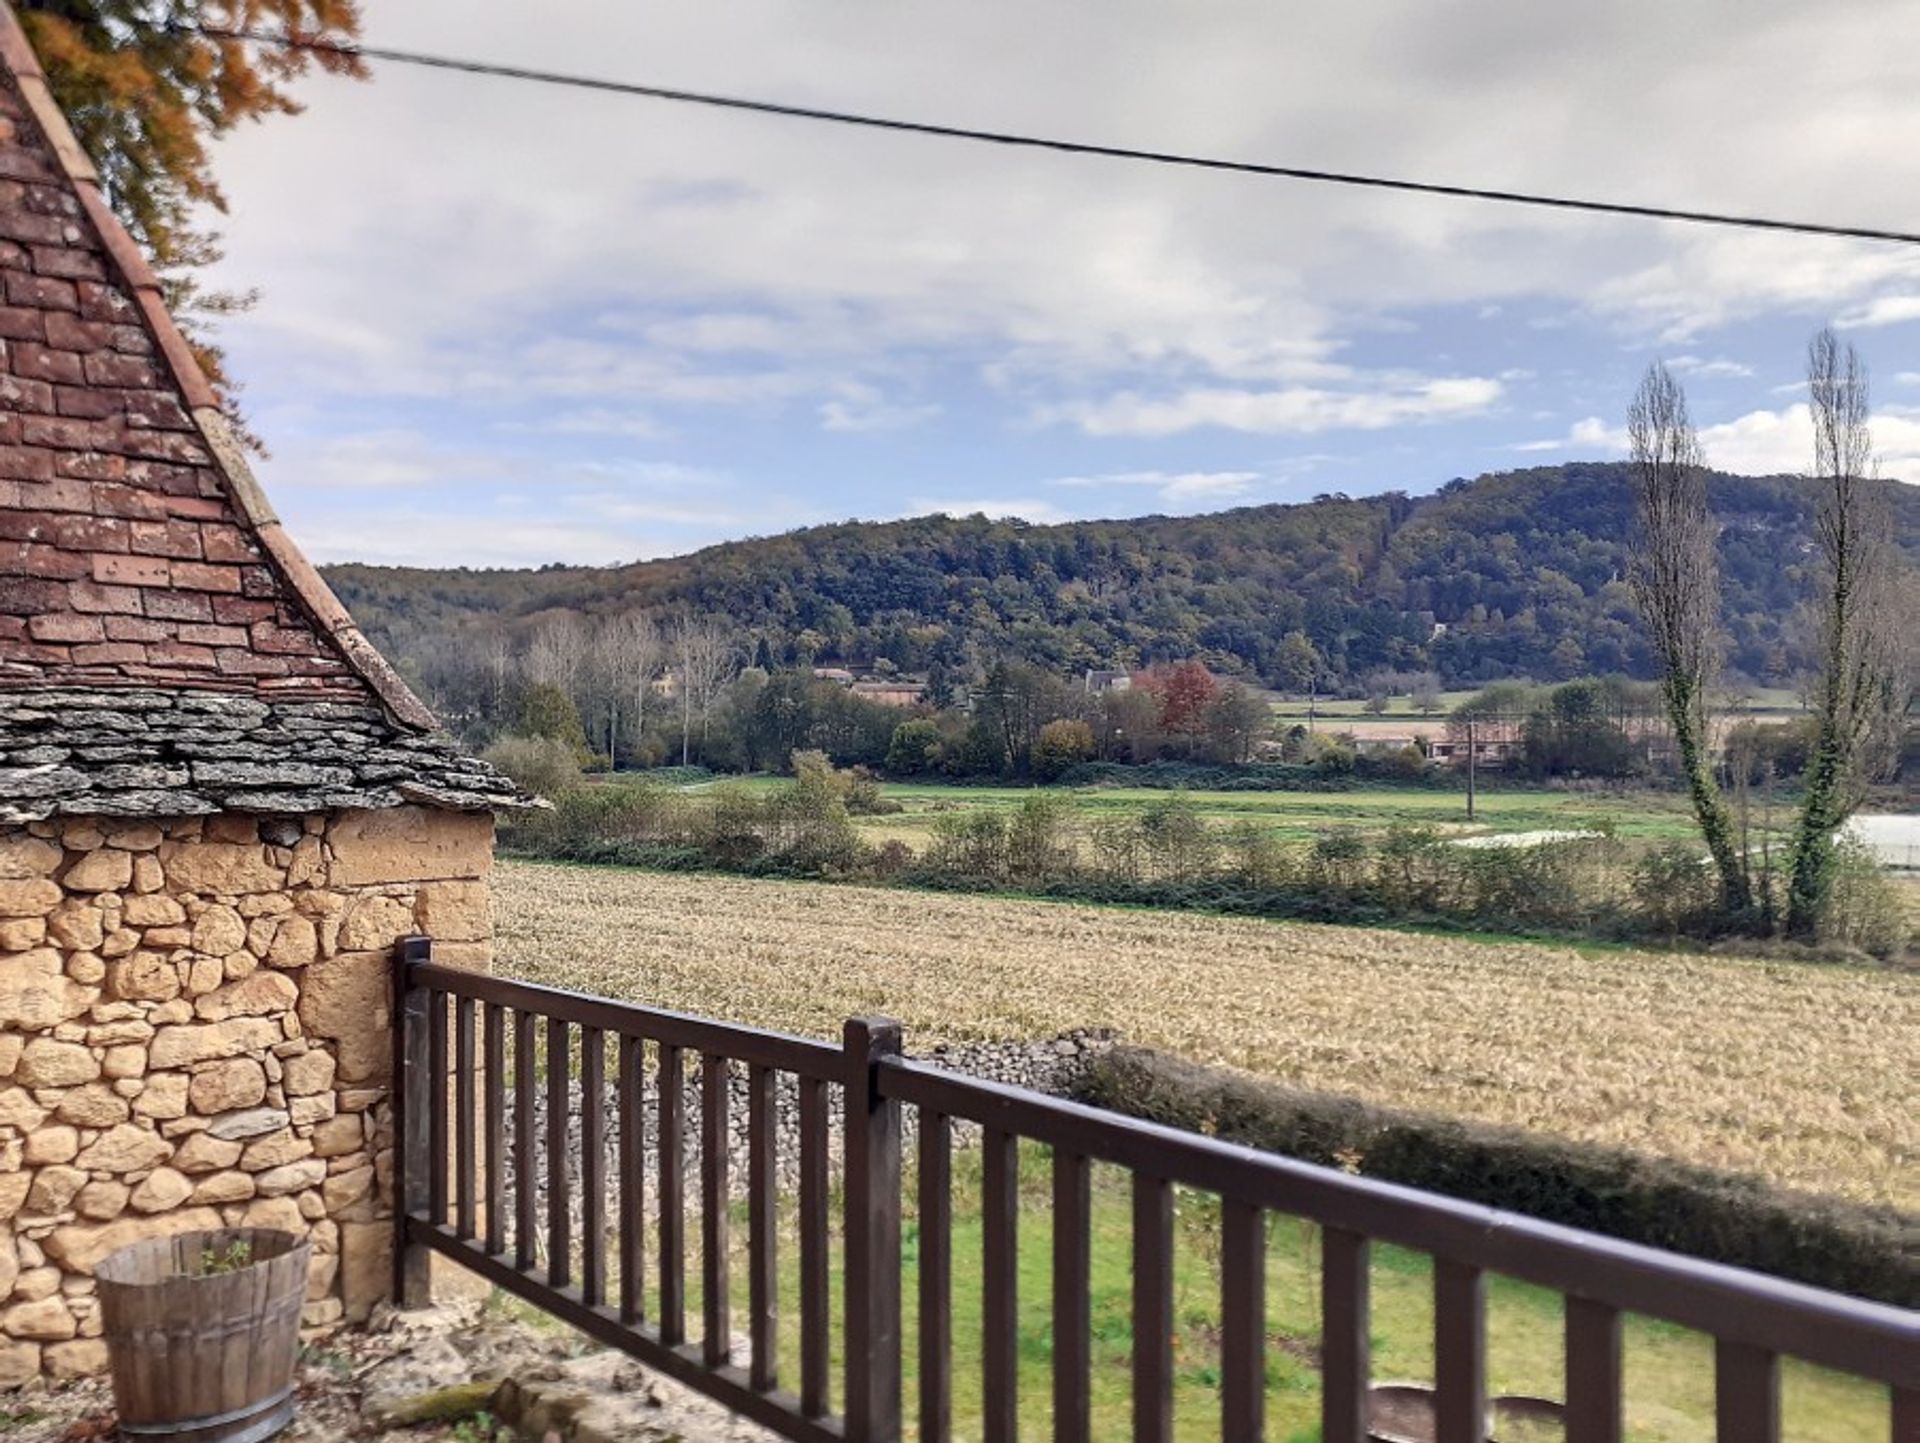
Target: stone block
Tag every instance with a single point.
(23, 856)
(274, 1212)
(53, 1188)
(221, 868)
(164, 1098)
(76, 925)
(17, 934)
(20, 1363)
(375, 923)
(409, 844)
(259, 995)
(28, 896)
(454, 911)
(143, 977)
(47, 1321)
(123, 1149)
(79, 1358)
(185, 1045)
(228, 1086)
(275, 1149)
(203, 1153)
(36, 994)
(338, 1136)
(161, 1191)
(218, 931)
(344, 999)
(224, 1187)
(93, 1105)
(19, 1111)
(158, 910)
(51, 1145)
(309, 1073)
(45, 1062)
(295, 943)
(250, 1123)
(291, 1177)
(101, 1200)
(107, 870)
(78, 1248)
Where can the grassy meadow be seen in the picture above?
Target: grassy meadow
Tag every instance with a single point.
(1799, 1073)
(1631, 813)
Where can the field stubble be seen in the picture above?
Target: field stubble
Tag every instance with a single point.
(1799, 1073)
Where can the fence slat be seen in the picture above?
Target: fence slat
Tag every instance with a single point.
(763, 1201)
(1152, 1309)
(437, 1105)
(559, 1191)
(816, 1303)
(1459, 1352)
(1243, 1322)
(936, 1278)
(464, 1164)
(1594, 1397)
(1346, 1364)
(1072, 1301)
(524, 1162)
(493, 1031)
(1906, 1415)
(412, 1277)
(671, 1151)
(1000, 1298)
(873, 1233)
(716, 1306)
(633, 1187)
(1746, 1393)
(593, 1166)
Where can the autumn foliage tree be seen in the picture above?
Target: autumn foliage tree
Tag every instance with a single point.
(147, 84)
(1185, 693)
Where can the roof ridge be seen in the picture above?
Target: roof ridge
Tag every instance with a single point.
(324, 610)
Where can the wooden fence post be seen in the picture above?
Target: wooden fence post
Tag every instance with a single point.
(410, 1095)
(872, 1236)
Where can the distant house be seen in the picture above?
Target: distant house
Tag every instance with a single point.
(838, 675)
(891, 693)
(1100, 682)
(1390, 744)
(1486, 751)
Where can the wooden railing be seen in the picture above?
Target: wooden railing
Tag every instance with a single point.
(456, 1150)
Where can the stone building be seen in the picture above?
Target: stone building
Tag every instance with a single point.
(219, 807)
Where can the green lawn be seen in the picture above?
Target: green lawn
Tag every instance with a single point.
(1297, 816)
(1669, 1370)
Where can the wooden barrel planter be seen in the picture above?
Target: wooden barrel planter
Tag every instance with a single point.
(202, 1330)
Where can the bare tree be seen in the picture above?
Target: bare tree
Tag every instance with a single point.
(1862, 691)
(634, 652)
(703, 655)
(1675, 575)
(557, 652)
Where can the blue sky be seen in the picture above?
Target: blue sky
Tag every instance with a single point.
(504, 325)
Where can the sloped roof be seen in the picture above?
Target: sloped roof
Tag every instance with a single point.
(138, 553)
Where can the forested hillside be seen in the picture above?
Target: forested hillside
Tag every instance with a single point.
(1518, 573)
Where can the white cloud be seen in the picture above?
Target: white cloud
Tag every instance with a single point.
(393, 458)
(1025, 508)
(1299, 410)
(1588, 435)
(1718, 367)
(1882, 311)
(434, 538)
(1908, 378)
(1768, 442)
(1183, 489)
(860, 407)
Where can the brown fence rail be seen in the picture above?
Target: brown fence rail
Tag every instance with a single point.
(480, 1184)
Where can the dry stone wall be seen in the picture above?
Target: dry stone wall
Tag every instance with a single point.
(193, 1033)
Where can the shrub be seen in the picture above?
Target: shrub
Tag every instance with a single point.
(915, 748)
(1725, 1217)
(545, 766)
(1673, 890)
(1863, 909)
(1062, 744)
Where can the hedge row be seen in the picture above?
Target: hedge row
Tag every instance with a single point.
(1869, 1252)
(1344, 775)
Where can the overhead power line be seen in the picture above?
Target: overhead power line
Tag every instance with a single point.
(1036, 142)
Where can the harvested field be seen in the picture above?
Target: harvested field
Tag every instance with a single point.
(1798, 1072)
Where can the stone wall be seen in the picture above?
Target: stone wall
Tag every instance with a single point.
(193, 1033)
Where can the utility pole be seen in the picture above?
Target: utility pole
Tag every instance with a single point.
(1473, 764)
